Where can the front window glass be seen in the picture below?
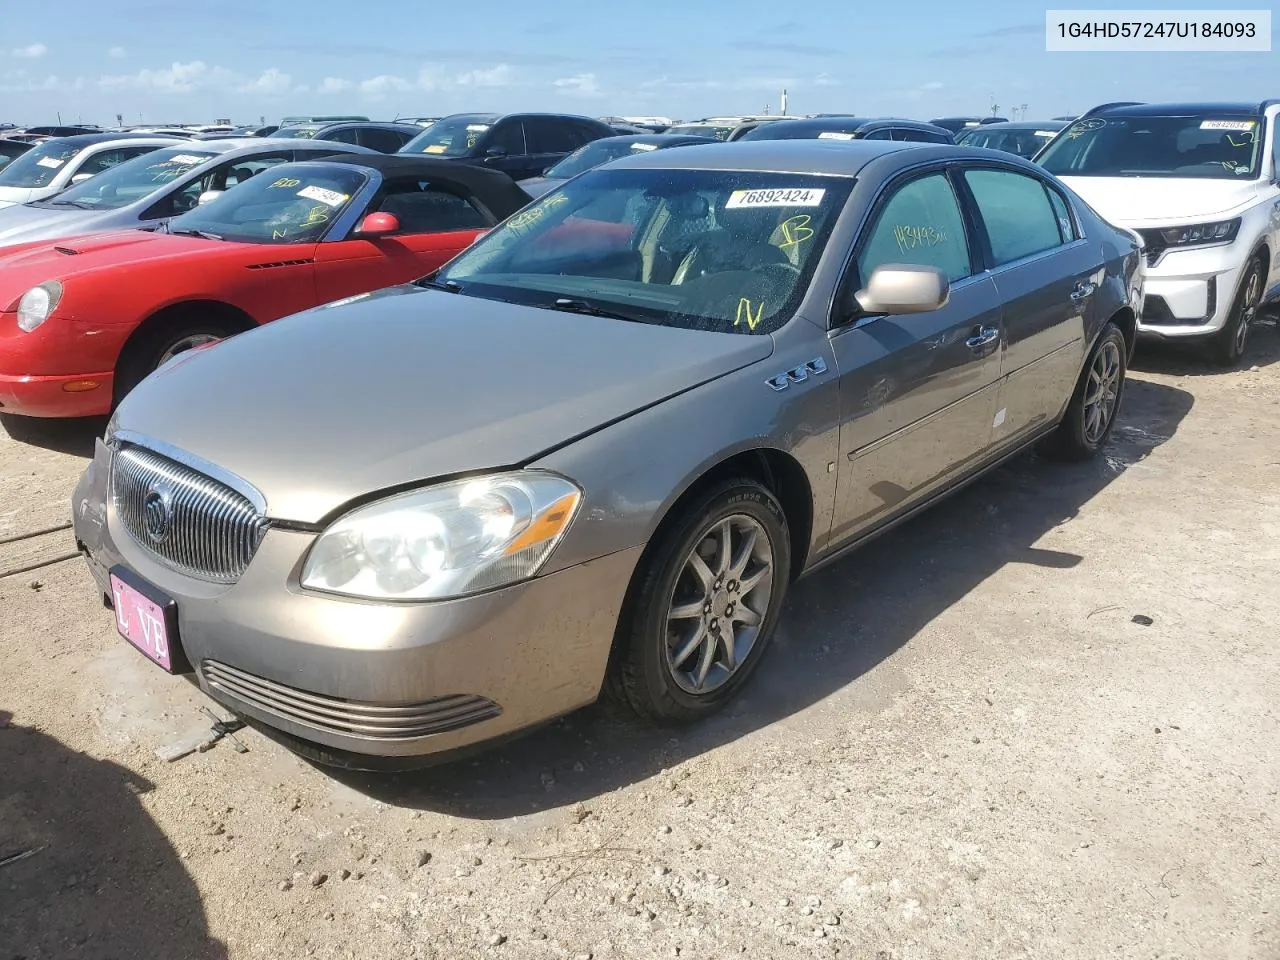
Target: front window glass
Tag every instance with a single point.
(709, 250)
(594, 154)
(287, 204)
(1207, 146)
(920, 225)
(39, 165)
(450, 137)
(132, 180)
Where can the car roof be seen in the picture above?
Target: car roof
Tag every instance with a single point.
(493, 188)
(90, 139)
(248, 145)
(359, 124)
(656, 139)
(840, 158)
(1188, 109)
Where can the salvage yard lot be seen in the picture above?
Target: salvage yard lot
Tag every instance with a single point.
(961, 745)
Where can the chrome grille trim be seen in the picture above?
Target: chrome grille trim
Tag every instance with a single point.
(213, 530)
(403, 721)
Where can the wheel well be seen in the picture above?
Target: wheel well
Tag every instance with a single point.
(235, 319)
(1128, 323)
(1263, 256)
(784, 476)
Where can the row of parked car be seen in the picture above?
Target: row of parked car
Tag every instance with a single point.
(403, 458)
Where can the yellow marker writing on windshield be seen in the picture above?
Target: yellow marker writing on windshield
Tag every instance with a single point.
(795, 231)
(744, 314)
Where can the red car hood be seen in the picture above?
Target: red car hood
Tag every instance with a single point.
(21, 268)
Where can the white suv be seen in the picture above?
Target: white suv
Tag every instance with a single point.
(1200, 182)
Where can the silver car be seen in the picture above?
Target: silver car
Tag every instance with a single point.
(148, 189)
(598, 446)
(56, 164)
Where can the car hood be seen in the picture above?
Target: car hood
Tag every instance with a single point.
(406, 385)
(538, 186)
(22, 224)
(1134, 201)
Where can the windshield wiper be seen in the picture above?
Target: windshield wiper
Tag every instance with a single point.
(448, 286)
(192, 232)
(570, 305)
(78, 204)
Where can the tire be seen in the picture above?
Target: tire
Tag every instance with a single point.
(648, 673)
(1228, 344)
(1081, 434)
(159, 344)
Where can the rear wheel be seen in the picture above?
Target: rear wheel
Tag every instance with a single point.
(161, 344)
(704, 604)
(1228, 345)
(1091, 414)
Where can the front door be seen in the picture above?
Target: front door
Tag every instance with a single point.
(917, 392)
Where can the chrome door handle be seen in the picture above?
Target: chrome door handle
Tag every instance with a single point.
(980, 339)
(1082, 291)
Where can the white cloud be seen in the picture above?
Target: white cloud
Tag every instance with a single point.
(580, 85)
(17, 81)
(177, 78)
(934, 85)
(272, 83)
(117, 53)
(377, 88)
(33, 51)
(498, 76)
(334, 85)
(741, 83)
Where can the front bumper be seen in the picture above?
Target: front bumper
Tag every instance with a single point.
(81, 395)
(368, 678)
(1188, 294)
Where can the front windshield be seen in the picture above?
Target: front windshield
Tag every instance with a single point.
(132, 180)
(594, 154)
(716, 130)
(8, 151)
(298, 133)
(701, 249)
(1209, 146)
(450, 137)
(39, 165)
(284, 204)
(1024, 143)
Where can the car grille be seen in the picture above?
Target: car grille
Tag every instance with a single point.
(187, 520)
(404, 721)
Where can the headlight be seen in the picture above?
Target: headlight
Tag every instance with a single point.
(1224, 231)
(445, 541)
(37, 303)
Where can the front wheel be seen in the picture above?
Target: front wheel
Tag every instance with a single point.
(1091, 414)
(704, 604)
(1227, 346)
(157, 347)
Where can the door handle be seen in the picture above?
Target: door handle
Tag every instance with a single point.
(1082, 290)
(981, 337)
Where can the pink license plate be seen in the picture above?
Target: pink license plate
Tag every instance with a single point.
(141, 621)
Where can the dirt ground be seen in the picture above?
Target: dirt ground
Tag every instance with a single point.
(960, 746)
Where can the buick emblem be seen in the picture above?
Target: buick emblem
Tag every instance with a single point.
(157, 515)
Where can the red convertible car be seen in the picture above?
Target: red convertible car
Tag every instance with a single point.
(83, 320)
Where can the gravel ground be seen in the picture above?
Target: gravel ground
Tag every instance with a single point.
(962, 745)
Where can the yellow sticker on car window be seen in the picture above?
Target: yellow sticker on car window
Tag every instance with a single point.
(436, 148)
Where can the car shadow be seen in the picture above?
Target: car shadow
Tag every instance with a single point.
(1262, 350)
(84, 870)
(75, 436)
(837, 625)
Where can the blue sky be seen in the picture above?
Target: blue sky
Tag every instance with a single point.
(164, 62)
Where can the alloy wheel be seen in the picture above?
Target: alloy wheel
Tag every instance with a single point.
(718, 604)
(1102, 392)
(1247, 309)
(185, 344)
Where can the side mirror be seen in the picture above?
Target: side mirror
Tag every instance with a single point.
(899, 288)
(81, 177)
(496, 152)
(208, 195)
(378, 225)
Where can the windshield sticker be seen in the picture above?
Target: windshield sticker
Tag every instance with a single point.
(1239, 126)
(795, 231)
(745, 199)
(436, 148)
(1045, 133)
(910, 238)
(834, 135)
(644, 146)
(746, 315)
(183, 158)
(477, 127)
(285, 182)
(331, 197)
(52, 162)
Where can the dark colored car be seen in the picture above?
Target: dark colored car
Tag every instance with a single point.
(56, 131)
(603, 151)
(9, 149)
(850, 128)
(956, 124)
(602, 443)
(1025, 138)
(385, 137)
(521, 145)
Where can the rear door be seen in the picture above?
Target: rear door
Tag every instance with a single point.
(436, 225)
(917, 392)
(1046, 277)
(550, 141)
